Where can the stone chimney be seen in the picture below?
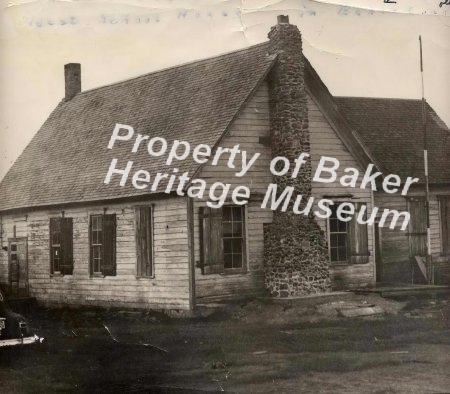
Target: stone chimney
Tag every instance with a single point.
(72, 75)
(289, 129)
(295, 250)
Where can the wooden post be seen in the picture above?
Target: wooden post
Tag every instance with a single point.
(429, 263)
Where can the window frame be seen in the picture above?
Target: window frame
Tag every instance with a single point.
(63, 253)
(347, 241)
(244, 240)
(101, 274)
(354, 231)
(53, 245)
(209, 242)
(97, 245)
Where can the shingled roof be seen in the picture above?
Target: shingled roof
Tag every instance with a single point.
(392, 130)
(68, 159)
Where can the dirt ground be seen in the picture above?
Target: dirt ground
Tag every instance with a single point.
(262, 346)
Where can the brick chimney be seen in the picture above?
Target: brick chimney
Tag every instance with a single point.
(295, 250)
(72, 75)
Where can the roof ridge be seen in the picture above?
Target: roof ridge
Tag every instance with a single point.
(171, 68)
(377, 98)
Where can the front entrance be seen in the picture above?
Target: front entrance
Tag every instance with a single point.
(18, 266)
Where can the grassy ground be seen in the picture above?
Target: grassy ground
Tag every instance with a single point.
(257, 347)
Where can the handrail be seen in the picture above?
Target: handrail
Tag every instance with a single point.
(421, 266)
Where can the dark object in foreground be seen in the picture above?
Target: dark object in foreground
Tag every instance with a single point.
(14, 329)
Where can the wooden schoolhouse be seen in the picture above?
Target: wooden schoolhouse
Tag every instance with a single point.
(67, 238)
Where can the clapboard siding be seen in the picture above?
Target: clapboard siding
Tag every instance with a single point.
(168, 289)
(253, 122)
(325, 142)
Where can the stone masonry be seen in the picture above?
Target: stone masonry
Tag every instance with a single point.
(296, 254)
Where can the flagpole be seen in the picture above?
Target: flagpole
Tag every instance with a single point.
(430, 273)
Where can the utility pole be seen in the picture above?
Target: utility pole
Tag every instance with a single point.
(430, 271)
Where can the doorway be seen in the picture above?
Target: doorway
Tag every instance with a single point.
(18, 266)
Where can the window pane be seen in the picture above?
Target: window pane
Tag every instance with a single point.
(227, 230)
(97, 222)
(227, 246)
(237, 214)
(96, 257)
(56, 258)
(56, 237)
(333, 225)
(333, 240)
(237, 261)
(333, 211)
(228, 260)
(342, 226)
(237, 246)
(342, 251)
(342, 240)
(227, 215)
(237, 229)
(13, 247)
(334, 254)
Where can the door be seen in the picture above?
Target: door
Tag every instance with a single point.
(378, 255)
(417, 227)
(18, 266)
(417, 237)
(396, 250)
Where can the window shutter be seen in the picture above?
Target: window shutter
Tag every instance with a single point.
(109, 245)
(445, 223)
(358, 238)
(67, 246)
(212, 240)
(91, 257)
(144, 241)
(417, 226)
(54, 222)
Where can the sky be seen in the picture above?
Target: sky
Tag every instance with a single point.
(359, 48)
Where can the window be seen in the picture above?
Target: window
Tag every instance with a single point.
(144, 241)
(348, 241)
(233, 237)
(102, 229)
(223, 239)
(61, 246)
(444, 204)
(339, 246)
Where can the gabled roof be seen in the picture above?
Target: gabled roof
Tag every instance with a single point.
(67, 160)
(330, 109)
(393, 132)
